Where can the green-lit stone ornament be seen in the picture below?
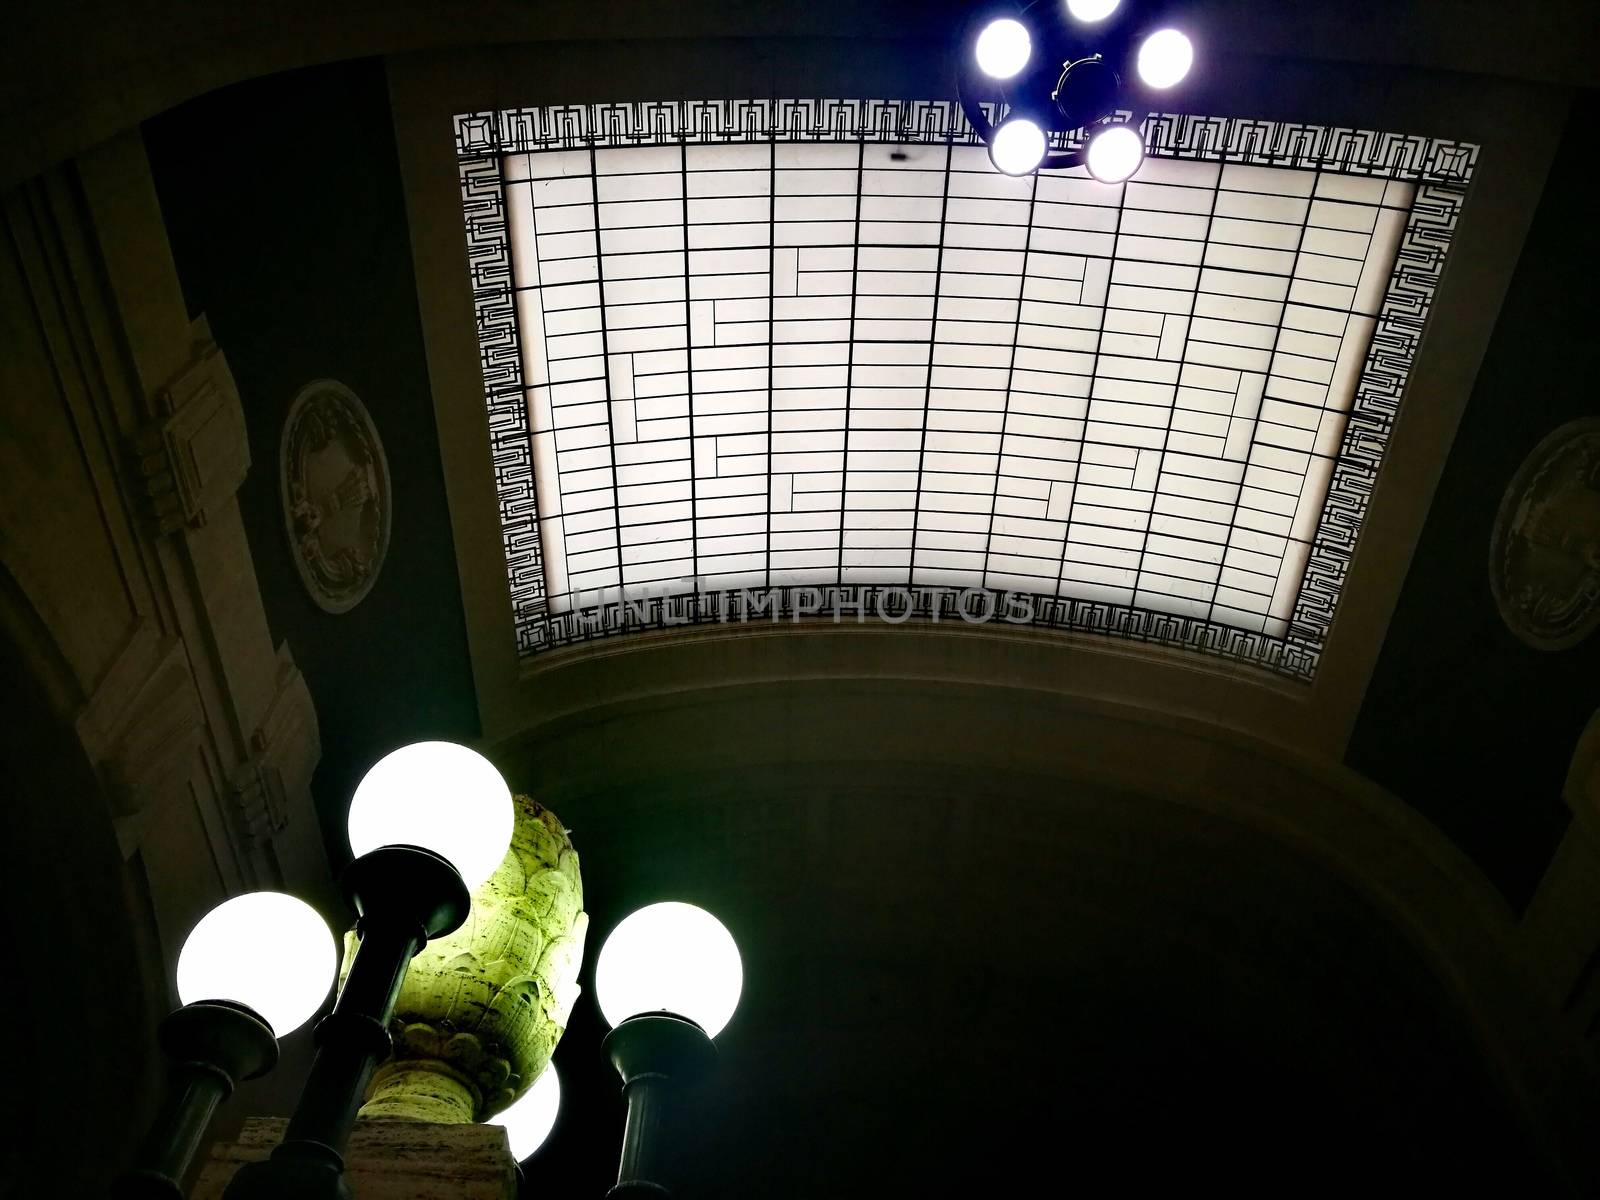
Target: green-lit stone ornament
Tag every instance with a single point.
(481, 1010)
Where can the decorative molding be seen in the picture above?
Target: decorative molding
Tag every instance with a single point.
(1544, 556)
(142, 729)
(167, 676)
(284, 751)
(1441, 168)
(334, 482)
(1170, 135)
(196, 453)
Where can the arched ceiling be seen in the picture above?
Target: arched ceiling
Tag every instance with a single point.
(978, 923)
(872, 807)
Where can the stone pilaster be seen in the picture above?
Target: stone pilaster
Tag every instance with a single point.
(1561, 927)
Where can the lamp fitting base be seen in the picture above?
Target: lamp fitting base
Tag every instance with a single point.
(662, 1044)
(408, 884)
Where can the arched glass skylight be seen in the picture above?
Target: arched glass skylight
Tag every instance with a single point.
(806, 356)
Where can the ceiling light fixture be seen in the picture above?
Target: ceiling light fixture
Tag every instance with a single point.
(1090, 11)
(1003, 48)
(1114, 153)
(1165, 58)
(1048, 87)
(1019, 146)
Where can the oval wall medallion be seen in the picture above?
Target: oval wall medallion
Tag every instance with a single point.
(1544, 555)
(334, 481)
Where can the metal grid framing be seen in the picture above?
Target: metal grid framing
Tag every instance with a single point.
(951, 556)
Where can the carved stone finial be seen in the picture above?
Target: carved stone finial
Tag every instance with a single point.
(482, 1010)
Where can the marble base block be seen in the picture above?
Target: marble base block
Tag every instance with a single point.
(388, 1160)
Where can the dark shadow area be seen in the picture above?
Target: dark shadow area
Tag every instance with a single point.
(957, 987)
(283, 202)
(1461, 719)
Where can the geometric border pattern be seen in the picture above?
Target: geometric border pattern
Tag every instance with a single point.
(1441, 169)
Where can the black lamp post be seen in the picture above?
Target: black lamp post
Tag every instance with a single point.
(255, 962)
(402, 896)
(428, 823)
(655, 1053)
(668, 979)
(213, 1044)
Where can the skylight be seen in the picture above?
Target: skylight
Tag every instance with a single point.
(808, 355)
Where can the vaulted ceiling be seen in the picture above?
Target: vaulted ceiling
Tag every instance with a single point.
(927, 785)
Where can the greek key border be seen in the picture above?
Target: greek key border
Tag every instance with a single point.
(1441, 169)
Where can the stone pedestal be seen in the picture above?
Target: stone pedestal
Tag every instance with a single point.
(388, 1160)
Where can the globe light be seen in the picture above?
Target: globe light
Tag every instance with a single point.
(1003, 48)
(440, 796)
(268, 951)
(1165, 58)
(531, 1118)
(1018, 146)
(1090, 11)
(670, 957)
(1115, 153)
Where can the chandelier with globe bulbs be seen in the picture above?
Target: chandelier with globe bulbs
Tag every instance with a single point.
(1055, 68)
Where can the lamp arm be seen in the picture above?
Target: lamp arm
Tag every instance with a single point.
(640, 1166)
(212, 1044)
(654, 1053)
(354, 1038)
(193, 1096)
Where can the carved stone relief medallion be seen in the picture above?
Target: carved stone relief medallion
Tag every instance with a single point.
(334, 481)
(1544, 556)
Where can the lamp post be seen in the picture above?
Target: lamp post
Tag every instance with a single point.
(668, 981)
(428, 823)
(253, 969)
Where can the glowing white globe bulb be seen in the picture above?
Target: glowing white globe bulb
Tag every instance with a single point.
(1003, 48)
(670, 957)
(531, 1118)
(266, 950)
(1090, 11)
(1018, 147)
(1165, 58)
(1115, 153)
(440, 796)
